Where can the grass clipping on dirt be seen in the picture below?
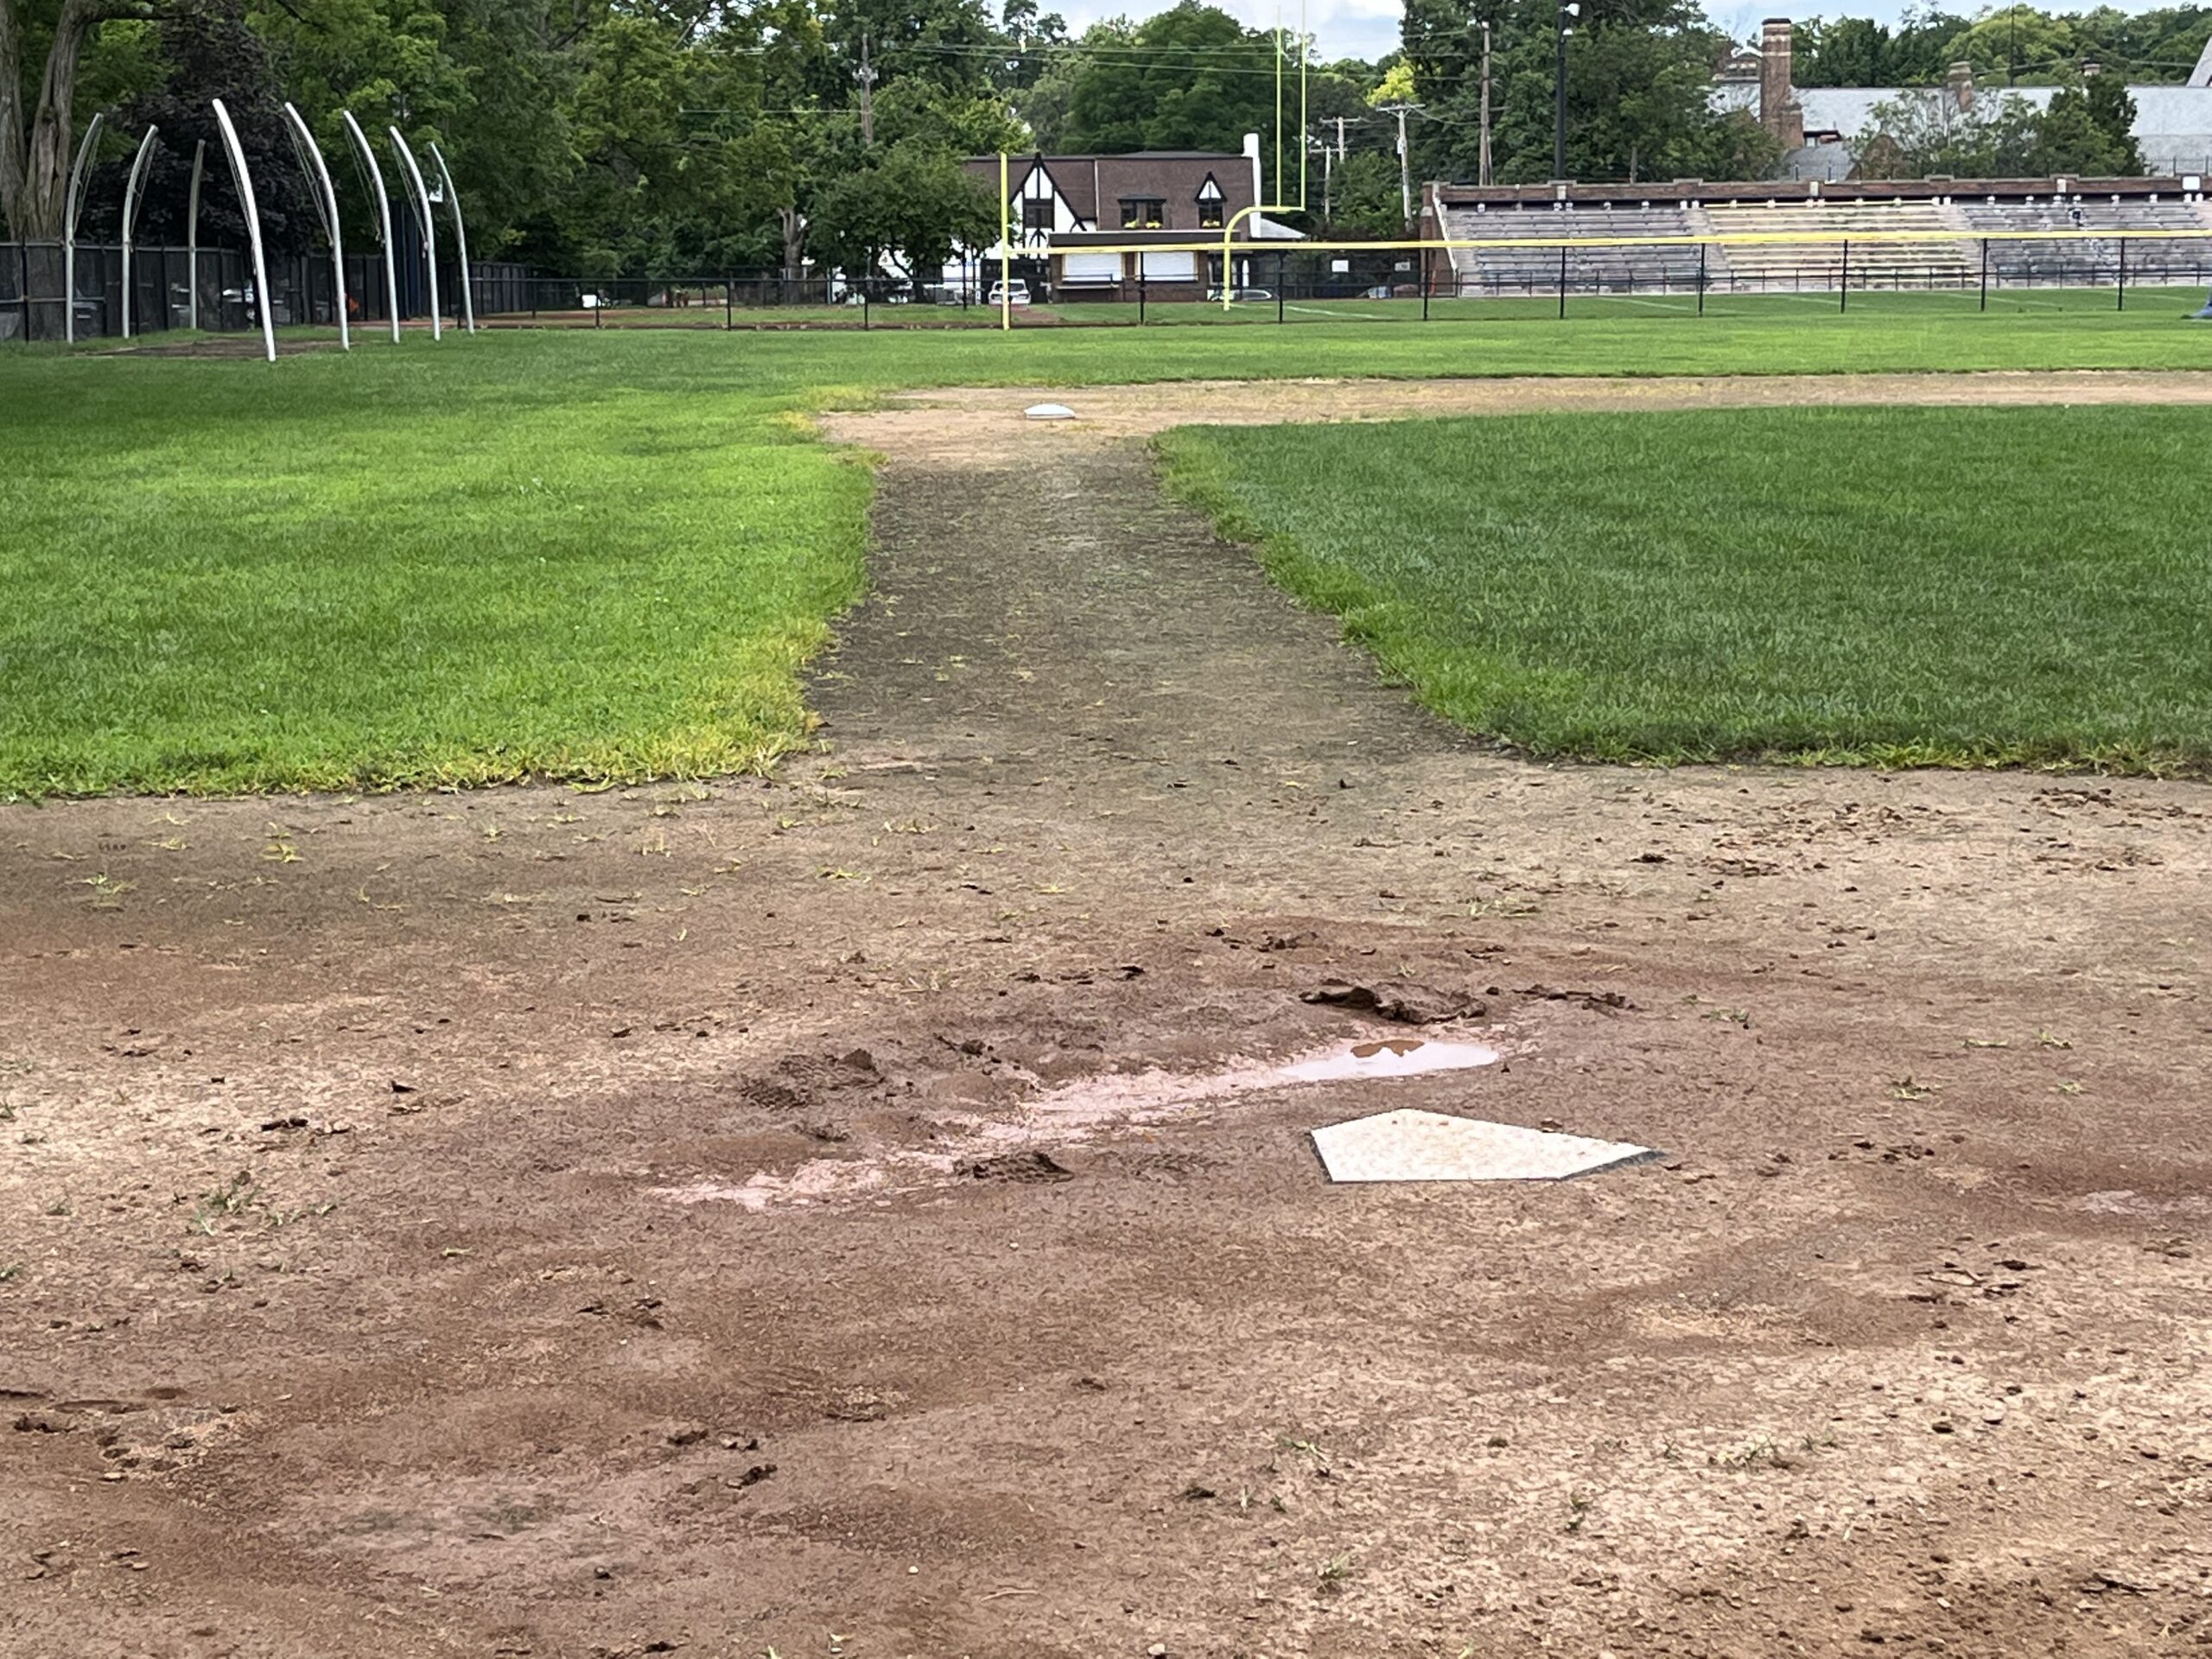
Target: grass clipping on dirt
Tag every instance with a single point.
(401, 569)
(1909, 587)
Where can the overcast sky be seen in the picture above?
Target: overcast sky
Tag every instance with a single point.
(1368, 28)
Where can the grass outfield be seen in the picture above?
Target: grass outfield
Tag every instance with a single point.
(1884, 586)
(410, 567)
(603, 555)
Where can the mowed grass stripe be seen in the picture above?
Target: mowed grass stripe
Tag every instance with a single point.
(1893, 586)
(404, 569)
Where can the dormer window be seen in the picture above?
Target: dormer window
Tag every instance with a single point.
(1143, 213)
(1209, 204)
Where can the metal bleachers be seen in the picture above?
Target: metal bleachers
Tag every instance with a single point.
(2186, 257)
(1596, 269)
(1859, 238)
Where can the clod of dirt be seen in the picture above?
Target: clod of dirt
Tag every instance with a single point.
(1408, 1004)
(1016, 1166)
(1597, 1002)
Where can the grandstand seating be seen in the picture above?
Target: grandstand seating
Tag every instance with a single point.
(1507, 271)
(2158, 259)
(1876, 259)
(1944, 249)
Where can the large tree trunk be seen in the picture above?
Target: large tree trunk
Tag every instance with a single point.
(34, 154)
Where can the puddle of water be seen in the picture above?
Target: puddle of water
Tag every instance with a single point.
(1399, 1057)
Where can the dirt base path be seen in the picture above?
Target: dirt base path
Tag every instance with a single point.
(953, 426)
(814, 1217)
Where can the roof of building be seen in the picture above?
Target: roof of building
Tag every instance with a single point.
(1085, 182)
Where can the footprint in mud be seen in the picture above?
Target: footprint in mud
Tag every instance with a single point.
(1025, 1167)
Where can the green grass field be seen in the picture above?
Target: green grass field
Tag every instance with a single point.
(1889, 586)
(606, 555)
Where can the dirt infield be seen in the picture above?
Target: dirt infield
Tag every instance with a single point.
(810, 1217)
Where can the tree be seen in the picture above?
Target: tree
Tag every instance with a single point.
(37, 128)
(1923, 130)
(1191, 78)
(1366, 203)
(1860, 52)
(2113, 111)
(1639, 79)
(909, 201)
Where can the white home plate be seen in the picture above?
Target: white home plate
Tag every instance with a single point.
(1417, 1146)
(1049, 412)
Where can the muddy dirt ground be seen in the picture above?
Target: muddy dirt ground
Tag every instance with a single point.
(794, 1216)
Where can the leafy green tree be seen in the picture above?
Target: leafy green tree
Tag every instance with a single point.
(2113, 111)
(1365, 198)
(1638, 93)
(908, 202)
(1860, 52)
(1923, 130)
(1192, 78)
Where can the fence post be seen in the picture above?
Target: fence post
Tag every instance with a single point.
(1424, 284)
(730, 304)
(864, 323)
(1985, 273)
(1140, 291)
(1700, 278)
(1843, 279)
(1281, 261)
(1562, 279)
(2123, 274)
(23, 262)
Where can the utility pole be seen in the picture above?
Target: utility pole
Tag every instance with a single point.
(1482, 171)
(1405, 157)
(866, 76)
(1340, 137)
(1328, 171)
(1559, 89)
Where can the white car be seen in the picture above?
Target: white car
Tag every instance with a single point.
(1013, 293)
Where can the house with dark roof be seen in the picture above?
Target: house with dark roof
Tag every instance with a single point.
(1086, 227)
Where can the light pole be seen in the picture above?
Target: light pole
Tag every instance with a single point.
(1559, 88)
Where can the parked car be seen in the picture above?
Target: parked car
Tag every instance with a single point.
(1247, 294)
(1013, 293)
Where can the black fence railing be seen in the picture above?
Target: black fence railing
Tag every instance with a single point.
(1286, 285)
(167, 289)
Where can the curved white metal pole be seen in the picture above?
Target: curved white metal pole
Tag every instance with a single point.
(460, 233)
(69, 228)
(253, 225)
(327, 207)
(192, 239)
(428, 224)
(383, 218)
(131, 215)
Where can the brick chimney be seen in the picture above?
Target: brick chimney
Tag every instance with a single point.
(1960, 81)
(1778, 109)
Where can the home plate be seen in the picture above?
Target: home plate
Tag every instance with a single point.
(1409, 1145)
